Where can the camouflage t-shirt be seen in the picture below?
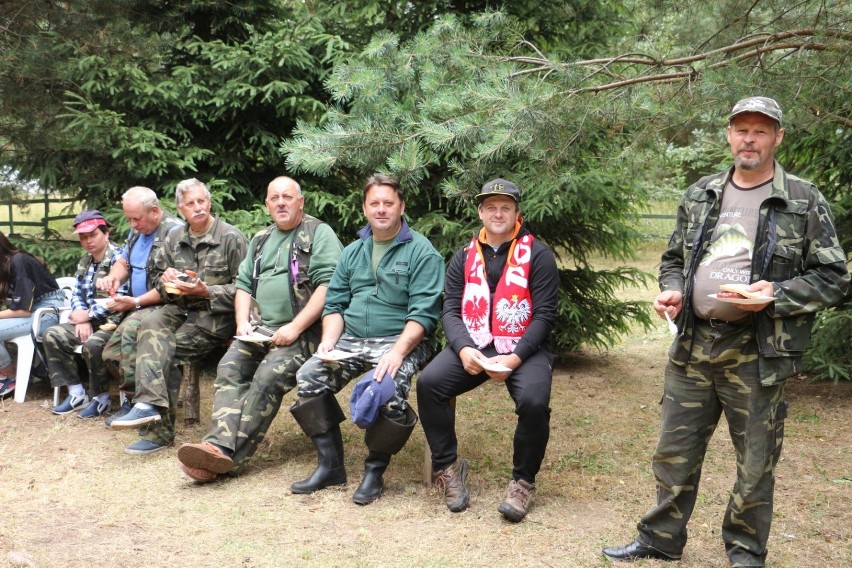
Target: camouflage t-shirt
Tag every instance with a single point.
(728, 258)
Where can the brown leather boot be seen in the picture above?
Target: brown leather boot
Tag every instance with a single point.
(518, 498)
(452, 482)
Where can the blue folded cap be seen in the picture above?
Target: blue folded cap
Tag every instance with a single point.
(368, 396)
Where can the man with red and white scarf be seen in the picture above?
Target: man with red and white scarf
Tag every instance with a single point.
(499, 308)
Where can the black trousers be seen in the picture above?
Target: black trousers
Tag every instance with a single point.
(529, 386)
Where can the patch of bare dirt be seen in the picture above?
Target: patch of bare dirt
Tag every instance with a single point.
(71, 497)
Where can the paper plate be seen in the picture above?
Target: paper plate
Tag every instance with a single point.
(763, 300)
(335, 355)
(254, 338)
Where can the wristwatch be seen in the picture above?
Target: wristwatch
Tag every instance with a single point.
(138, 305)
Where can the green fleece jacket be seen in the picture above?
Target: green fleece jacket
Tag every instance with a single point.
(406, 286)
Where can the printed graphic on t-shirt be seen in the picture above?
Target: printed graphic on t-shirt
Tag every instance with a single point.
(727, 259)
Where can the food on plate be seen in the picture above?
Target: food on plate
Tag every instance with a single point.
(737, 291)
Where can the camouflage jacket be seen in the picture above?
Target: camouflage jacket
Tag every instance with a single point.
(216, 259)
(301, 247)
(167, 223)
(796, 248)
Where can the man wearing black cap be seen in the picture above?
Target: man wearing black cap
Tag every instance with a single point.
(87, 315)
(756, 225)
(499, 308)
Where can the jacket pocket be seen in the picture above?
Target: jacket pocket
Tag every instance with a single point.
(217, 274)
(783, 265)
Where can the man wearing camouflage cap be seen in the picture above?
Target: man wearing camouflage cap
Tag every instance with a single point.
(759, 226)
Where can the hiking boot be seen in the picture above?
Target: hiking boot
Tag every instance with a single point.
(452, 482)
(517, 503)
(198, 474)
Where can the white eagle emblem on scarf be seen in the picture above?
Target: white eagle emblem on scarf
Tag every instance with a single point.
(512, 314)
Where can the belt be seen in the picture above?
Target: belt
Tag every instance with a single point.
(716, 323)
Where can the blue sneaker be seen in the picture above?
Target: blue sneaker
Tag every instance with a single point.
(7, 386)
(144, 447)
(94, 409)
(135, 418)
(71, 404)
(125, 408)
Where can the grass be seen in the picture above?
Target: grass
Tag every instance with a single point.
(71, 497)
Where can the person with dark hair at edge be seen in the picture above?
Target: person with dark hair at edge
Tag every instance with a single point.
(26, 285)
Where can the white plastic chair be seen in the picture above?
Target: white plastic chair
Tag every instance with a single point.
(26, 348)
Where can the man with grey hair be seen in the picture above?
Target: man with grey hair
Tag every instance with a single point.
(755, 225)
(286, 273)
(149, 225)
(194, 273)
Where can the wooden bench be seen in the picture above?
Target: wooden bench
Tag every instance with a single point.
(190, 392)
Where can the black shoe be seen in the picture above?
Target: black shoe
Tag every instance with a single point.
(636, 550)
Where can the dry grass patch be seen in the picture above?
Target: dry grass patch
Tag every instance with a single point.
(71, 497)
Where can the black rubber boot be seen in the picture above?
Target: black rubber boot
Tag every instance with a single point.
(320, 419)
(384, 438)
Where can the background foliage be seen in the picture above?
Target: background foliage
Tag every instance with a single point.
(594, 107)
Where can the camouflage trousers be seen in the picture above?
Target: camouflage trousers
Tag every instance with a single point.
(60, 345)
(166, 339)
(721, 376)
(251, 382)
(119, 355)
(317, 376)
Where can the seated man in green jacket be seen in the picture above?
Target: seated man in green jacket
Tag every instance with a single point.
(286, 272)
(381, 307)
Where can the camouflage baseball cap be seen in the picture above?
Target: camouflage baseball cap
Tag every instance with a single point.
(763, 105)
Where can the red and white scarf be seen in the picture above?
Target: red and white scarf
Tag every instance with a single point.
(507, 322)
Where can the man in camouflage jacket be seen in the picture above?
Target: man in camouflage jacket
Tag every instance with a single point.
(286, 273)
(195, 271)
(759, 226)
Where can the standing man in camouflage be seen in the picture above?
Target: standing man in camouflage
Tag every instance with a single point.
(499, 308)
(758, 225)
(381, 307)
(286, 273)
(87, 317)
(149, 225)
(194, 273)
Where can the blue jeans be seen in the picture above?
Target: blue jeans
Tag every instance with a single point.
(10, 328)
